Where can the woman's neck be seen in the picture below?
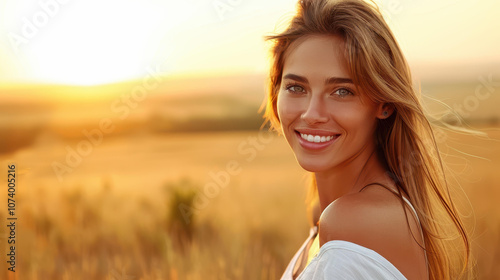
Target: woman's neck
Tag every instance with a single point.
(350, 177)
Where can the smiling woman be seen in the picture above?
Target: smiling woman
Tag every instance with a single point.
(354, 113)
(341, 93)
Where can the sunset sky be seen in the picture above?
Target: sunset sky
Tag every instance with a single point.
(96, 42)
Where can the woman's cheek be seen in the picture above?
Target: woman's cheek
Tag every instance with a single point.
(287, 109)
(348, 114)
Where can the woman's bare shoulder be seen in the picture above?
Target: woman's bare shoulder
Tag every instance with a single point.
(376, 219)
(358, 217)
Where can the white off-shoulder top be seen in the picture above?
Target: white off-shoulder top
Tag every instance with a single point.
(343, 260)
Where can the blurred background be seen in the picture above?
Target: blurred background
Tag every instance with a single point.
(134, 128)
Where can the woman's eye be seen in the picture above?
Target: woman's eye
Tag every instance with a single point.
(342, 92)
(295, 89)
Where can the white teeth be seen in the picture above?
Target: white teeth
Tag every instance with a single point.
(316, 138)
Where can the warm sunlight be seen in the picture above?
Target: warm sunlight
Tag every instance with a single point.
(98, 42)
(90, 42)
(135, 144)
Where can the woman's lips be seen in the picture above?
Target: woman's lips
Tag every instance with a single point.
(314, 141)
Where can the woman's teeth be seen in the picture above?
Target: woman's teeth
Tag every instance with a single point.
(316, 138)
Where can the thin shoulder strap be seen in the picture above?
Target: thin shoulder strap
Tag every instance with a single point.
(291, 270)
(375, 183)
(414, 213)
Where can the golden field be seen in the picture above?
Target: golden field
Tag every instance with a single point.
(174, 189)
(117, 211)
(115, 216)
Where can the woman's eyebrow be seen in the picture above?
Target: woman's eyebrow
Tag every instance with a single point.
(335, 80)
(296, 78)
(332, 80)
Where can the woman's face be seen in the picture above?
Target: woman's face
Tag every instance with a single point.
(325, 119)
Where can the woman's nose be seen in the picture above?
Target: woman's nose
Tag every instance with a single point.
(315, 111)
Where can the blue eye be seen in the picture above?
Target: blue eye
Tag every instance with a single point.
(342, 92)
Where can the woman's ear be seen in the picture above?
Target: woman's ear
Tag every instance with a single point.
(385, 110)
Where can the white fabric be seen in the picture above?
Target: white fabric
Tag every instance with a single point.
(343, 260)
(289, 272)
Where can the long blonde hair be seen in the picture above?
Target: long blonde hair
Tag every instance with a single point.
(405, 140)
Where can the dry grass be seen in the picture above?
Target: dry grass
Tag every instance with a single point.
(114, 216)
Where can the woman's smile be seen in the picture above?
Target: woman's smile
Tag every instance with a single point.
(326, 120)
(311, 139)
(342, 95)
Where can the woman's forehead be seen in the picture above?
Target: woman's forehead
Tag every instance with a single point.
(321, 56)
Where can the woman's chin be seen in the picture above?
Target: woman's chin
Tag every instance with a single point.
(312, 166)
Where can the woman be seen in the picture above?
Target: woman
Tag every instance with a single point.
(341, 93)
